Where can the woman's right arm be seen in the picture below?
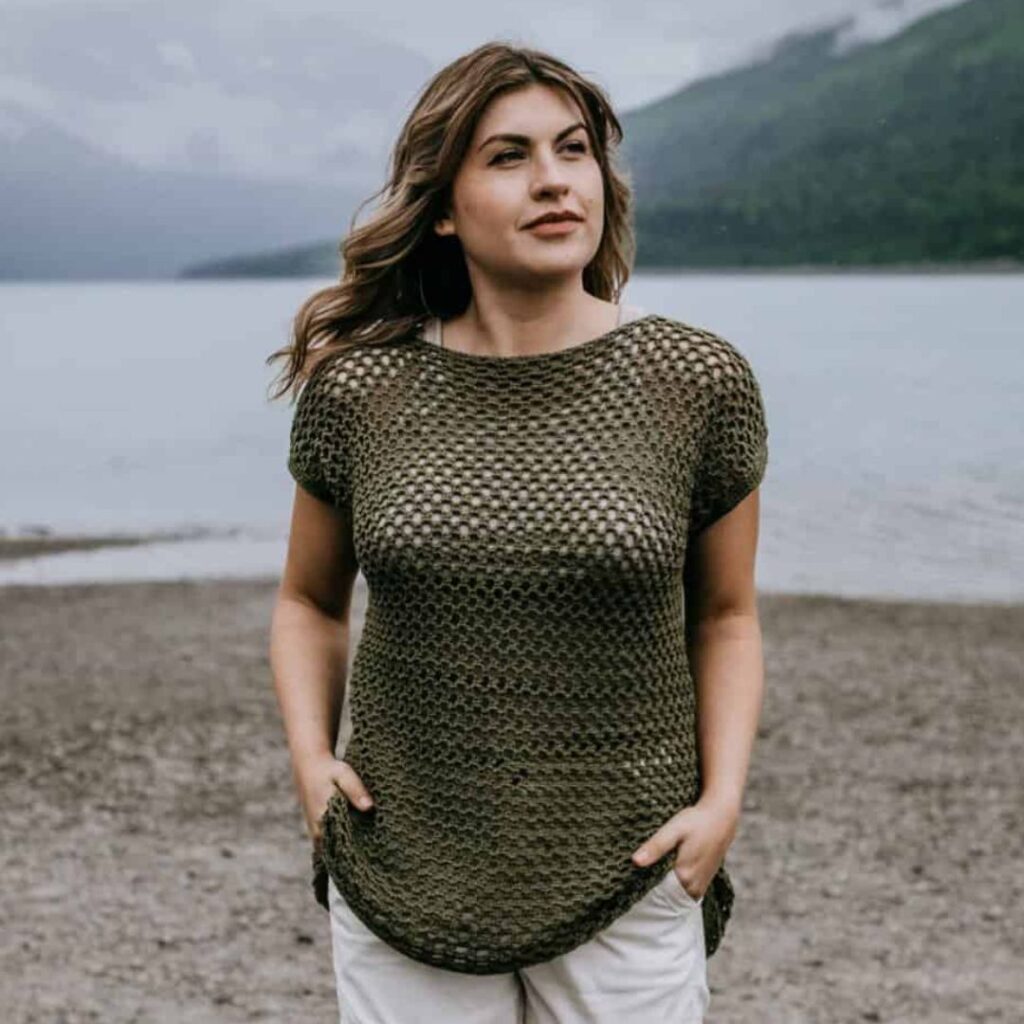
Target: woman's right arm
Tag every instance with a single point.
(309, 639)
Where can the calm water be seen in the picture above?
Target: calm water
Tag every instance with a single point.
(894, 407)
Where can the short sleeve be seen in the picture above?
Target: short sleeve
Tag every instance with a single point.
(321, 440)
(734, 448)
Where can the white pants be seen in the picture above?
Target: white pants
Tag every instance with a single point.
(647, 966)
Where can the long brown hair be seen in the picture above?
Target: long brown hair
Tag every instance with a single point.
(396, 270)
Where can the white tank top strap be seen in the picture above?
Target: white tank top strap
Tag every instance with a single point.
(629, 312)
(432, 331)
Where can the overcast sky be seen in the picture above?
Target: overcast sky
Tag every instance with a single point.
(640, 49)
(317, 88)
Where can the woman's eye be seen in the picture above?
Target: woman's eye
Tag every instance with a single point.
(581, 147)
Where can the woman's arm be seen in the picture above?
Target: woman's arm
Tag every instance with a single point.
(309, 640)
(725, 652)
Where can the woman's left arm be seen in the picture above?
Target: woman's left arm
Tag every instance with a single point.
(725, 652)
(726, 662)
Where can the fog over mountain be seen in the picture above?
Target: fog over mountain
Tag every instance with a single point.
(138, 139)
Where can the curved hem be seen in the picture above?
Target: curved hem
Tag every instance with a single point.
(715, 906)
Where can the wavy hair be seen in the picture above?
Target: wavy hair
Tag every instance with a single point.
(397, 271)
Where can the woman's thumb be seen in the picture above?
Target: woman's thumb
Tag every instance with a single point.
(358, 793)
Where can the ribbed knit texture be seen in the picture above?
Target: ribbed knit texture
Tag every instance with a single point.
(522, 707)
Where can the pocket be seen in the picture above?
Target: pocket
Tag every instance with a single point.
(676, 893)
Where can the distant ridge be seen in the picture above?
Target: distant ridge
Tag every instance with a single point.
(908, 150)
(898, 153)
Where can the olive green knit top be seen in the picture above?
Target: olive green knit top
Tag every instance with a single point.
(521, 703)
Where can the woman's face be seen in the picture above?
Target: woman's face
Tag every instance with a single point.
(504, 183)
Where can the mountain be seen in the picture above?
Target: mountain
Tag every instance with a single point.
(174, 143)
(72, 211)
(135, 142)
(906, 150)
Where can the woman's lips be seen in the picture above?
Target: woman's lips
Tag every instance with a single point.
(555, 227)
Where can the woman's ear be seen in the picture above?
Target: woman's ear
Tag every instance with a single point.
(444, 226)
(443, 222)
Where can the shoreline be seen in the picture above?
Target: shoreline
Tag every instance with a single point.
(209, 556)
(999, 266)
(36, 542)
(883, 269)
(68, 589)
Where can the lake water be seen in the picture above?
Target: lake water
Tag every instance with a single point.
(894, 405)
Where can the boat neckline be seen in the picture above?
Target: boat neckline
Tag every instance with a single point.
(533, 358)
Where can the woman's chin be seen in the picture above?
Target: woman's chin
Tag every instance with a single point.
(569, 261)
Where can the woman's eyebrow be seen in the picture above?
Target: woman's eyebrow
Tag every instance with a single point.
(524, 140)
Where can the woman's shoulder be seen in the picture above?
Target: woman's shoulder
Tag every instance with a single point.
(357, 368)
(705, 349)
(699, 345)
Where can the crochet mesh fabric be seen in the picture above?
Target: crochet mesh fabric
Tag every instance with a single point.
(522, 707)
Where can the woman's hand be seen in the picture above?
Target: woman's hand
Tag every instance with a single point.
(318, 778)
(702, 834)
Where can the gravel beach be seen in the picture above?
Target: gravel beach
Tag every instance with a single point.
(156, 868)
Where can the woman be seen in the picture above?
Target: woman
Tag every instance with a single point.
(554, 504)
